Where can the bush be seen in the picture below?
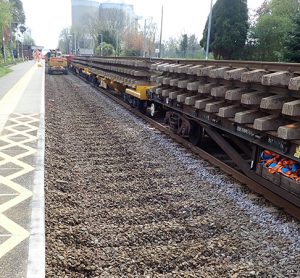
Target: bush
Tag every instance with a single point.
(107, 49)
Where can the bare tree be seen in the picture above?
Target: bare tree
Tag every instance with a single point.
(94, 28)
(150, 30)
(113, 20)
(133, 43)
(64, 40)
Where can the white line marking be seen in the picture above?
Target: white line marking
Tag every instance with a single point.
(18, 235)
(23, 194)
(36, 253)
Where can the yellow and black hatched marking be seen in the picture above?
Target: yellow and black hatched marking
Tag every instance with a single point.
(18, 142)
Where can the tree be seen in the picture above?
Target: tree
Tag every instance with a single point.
(108, 38)
(5, 14)
(184, 45)
(118, 28)
(65, 39)
(193, 46)
(28, 40)
(113, 19)
(112, 24)
(229, 29)
(292, 42)
(18, 15)
(133, 43)
(274, 20)
(5, 20)
(171, 48)
(150, 29)
(92, 27)
(105, 49)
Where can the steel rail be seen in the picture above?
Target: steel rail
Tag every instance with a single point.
(251, 65)
(254, 186)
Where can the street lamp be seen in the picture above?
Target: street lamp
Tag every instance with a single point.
(208, 31)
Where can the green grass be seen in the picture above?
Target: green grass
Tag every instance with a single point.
(5, 66)
(4, 70)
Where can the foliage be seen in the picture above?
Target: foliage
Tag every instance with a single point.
(292, 42)
(113, 20)
(5, 20)
(194, 49)
(111, 24)
(28, 40)
(170, 48)
(274, 20)
(65, 38)
(133, 43)
(5, 14)
(18, 15)
(150, 29)
(107, 49)
(229, 29)
(108, 38)
(12, 18)
(184, 45)
(115, 27)
(4, 70)
(92, 28)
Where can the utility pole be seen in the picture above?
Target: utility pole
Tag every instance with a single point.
(161, 28)
(208, 31)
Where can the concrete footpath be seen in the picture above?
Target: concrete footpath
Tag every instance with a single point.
(22, 135)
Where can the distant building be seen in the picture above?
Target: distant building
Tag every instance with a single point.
(81, 9)
(126, 8)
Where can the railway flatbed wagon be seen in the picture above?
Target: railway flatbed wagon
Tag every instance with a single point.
(249, 110)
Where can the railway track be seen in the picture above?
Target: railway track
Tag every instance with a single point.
(276, 199)
(123, 199)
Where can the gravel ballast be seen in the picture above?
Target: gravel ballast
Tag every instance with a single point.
(123, 200)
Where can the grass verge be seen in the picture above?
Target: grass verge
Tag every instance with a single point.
(5, 66)
(4, 70)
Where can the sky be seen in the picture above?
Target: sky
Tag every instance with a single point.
(47, 18)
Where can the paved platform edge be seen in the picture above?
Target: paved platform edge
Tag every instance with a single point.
(36, 252)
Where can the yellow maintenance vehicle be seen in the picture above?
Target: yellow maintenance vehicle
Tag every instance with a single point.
(56, 62)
